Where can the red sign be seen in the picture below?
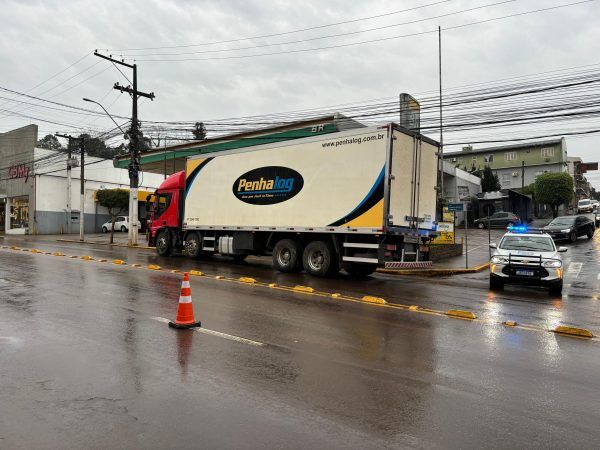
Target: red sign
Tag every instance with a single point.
(20, 171)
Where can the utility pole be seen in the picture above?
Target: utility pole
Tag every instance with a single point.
(134, 146)
(70, 164)
(441, 150)
(82, 193)
(522, 177)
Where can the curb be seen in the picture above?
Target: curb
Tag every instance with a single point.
(73, 241)
(436, 272)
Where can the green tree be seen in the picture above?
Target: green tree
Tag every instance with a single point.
(489, 180)
(93, 147)
(50, 142)
(554, 189)
(116, 201)
(199, 131)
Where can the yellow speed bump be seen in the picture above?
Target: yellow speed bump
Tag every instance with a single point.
(196, 273)
(246, 280)
(460, 314)
(58, 254)
(101, 260)
(14, 247)
(24, 249)
(73, 256)
(175, 271)
(510, 323)
(136, 265)
(336, 295)
(572, 331)
(153, 267)
(35, 250)
(119, 262)
(413, 308)
(371, 299)
(299, 288)
(272, 285)
(87, 258)
(219, 277)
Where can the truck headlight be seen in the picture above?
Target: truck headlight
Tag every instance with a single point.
(499, 260)
(566, 230)
(554, 263)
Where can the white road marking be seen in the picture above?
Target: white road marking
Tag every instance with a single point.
(219, 334)
(574, 269)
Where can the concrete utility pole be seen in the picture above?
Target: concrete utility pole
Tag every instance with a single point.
(134, 147)
(69, 166)
(82, 198)
(522, 176)
(441, 150)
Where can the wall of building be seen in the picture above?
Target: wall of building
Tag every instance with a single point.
(511, 178)
(51, 193)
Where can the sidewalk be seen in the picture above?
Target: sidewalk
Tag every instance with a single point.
(120, 239)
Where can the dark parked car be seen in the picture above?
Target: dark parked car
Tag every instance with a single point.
(498, 220)
(570, 228)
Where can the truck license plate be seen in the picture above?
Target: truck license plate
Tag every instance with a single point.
(525, 273)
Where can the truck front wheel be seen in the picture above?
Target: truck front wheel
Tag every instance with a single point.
(287, 256)
(163, 243)
(319, 259)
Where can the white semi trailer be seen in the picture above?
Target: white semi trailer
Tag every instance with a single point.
(353, 200)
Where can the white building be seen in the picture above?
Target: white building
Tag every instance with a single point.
(33, 187)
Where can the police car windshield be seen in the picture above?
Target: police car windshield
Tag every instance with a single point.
(529, 243)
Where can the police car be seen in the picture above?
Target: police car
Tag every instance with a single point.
(527, 256)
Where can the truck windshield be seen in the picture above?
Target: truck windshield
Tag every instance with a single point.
(531, 243)
(584, 202)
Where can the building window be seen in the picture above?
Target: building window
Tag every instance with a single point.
(474, 159)
(510, 156)
(488, 158)
(19, 212)
(547, 152)
(506, 179)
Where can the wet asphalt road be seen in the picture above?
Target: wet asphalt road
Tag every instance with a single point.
(83, 362)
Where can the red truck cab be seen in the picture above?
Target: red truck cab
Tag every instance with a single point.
(166, 214)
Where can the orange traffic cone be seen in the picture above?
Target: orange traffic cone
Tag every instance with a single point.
(185, 311)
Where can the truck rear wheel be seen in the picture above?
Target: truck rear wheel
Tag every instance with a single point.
(193, 246)
(319, 259)
(287, 256)
(163, 243)
(358, 270)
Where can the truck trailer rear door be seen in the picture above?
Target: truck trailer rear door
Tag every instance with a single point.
(412, 193)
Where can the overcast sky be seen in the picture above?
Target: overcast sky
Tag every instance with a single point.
(40, 38)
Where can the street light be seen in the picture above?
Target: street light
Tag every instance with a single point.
(133, 213)
(107, 113)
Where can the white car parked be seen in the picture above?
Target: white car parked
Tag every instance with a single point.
(121, 224)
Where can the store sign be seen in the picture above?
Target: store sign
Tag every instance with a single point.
(20, 171)
(445, 231)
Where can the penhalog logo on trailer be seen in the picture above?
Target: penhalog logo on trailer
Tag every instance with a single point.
(268, 185)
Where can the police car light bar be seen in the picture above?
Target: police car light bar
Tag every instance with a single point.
(524, 229)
